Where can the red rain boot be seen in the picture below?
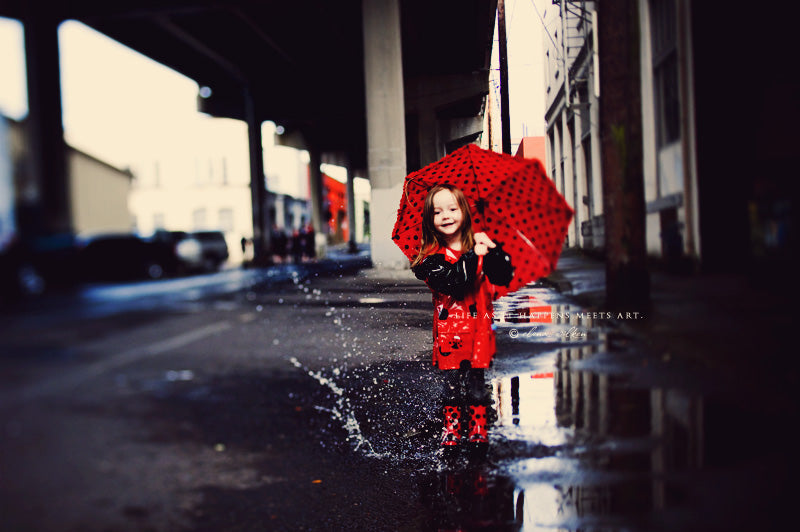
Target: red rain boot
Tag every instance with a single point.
(477, 425)
(452, 426)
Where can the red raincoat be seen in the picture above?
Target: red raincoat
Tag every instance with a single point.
(462, 303)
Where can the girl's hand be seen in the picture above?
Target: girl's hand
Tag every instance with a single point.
(483, 244)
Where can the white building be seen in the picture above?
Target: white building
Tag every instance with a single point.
(199, 183)
(203, 183)
(573, 134)
(98, 191)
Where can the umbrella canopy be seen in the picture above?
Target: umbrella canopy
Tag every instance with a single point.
(511, 199)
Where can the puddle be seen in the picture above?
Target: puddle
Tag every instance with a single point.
(472, 498)
(525, 408)
(624, 457)
(577, 440)
(577, 450)
(606, 448)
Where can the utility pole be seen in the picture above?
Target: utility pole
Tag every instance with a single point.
(627, 278)
(565, 54)
(49, 209)
(258, 191)
(503, 53)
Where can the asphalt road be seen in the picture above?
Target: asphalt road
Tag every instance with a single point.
(199, 415)
(256, 401)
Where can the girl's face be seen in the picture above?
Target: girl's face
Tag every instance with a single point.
(447, 215)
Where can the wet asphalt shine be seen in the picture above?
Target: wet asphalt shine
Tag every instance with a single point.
(307, 401)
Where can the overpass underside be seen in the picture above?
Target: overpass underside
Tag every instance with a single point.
(382, 87)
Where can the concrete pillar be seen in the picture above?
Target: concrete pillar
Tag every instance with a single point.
(428, 137)
(351, 209)
(558, 163)
(258, 189)
(594, 126)
(386, 139)
(48, 208)
(579, 170)
(319, 222)
(567, 148)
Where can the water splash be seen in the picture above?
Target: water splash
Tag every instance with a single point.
(342, 412)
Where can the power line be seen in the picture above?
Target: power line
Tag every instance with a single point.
(547, 31)
(510, 20)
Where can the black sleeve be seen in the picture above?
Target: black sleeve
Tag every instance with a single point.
(497, 266)
(454, 279)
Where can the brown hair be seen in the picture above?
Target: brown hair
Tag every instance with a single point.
(430, 237)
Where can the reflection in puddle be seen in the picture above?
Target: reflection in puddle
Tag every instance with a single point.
(609, 455)
(525, 408)
(472, 498)
(529, 317)
(614, 445)
(576, 444)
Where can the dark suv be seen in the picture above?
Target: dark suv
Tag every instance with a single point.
(214, 248)
(123, 256)
(185, 249)
(30, 266)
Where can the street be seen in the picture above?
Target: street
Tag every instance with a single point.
(308, 402)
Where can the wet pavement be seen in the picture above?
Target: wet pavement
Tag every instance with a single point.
(311, 404)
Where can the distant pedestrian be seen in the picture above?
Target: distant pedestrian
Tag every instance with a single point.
(283, 245)
(462, 269)
(310, 250)
(279, 243)
(297, 246)
(247, 250)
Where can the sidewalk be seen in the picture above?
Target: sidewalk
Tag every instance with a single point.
(719, 334)
(719, 326)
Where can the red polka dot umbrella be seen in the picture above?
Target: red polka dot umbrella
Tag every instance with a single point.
(511, 199)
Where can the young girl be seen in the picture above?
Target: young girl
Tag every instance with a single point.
(461, 269)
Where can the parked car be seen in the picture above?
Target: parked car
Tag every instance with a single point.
(124, 256)
(186, 250)
(32, 265)
(214, 248)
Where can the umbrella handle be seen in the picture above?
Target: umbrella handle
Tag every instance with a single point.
(405, 187)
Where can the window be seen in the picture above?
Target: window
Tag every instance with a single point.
(587, 164)
(665, 70)
(158, 220)
(199, 219)
(583, 112)
(547, 66)
(226, 220)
